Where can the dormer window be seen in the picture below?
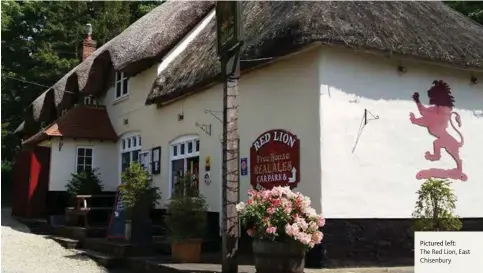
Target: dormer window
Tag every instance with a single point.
(121, 85)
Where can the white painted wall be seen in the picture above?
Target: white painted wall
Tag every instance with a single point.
(377, 180)
(63, 162)
(280, 96)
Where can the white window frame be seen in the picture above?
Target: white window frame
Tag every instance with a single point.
(123, 92)
(195, 141)
(125, 147)
(77, 157)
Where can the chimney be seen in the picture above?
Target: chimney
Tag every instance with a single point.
(88, 45)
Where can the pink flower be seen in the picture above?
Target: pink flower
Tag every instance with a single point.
(306, 202)
(276, 202)
(265, 195)
(287, 210)
(320, 221)
(317, 237)
(250, 232)
(271, 230)
(310, 212)
(252, 193)
(301, 223)
(289, 230)
(313, 225)
(276, 192)
(271, 210)
(292, 230)
(304, 238)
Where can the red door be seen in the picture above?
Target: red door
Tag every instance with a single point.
(39, 182)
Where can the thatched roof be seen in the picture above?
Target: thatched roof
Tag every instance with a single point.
(138, 47)
(20, 128)
(142, 44)
(426, 30)
(41, 105)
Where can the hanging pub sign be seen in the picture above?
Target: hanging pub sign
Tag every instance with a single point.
(228, 27)
(275, 160)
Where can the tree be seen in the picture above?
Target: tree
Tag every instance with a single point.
(472, 9)
(435, 207)
(41, 42)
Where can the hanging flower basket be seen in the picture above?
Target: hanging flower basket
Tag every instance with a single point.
(283, 226)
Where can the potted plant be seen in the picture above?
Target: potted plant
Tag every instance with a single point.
(283, 226)
(186, 221)
(435, 207)
(138, 196)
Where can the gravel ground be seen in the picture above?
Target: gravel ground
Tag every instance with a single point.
(24, 252)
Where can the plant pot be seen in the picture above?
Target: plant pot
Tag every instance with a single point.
(127, 230)
(188, 251)
(280, 257)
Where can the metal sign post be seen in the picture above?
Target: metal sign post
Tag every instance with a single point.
(229, 38)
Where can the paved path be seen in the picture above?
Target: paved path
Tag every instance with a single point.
(250, 269)
(24, 252)
(364, 270)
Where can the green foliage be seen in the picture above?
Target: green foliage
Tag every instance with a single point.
(7, 169)
(472, 9)
(187, 212)
(137, 187)
(84, 183)
(435, 207)
(185, 187)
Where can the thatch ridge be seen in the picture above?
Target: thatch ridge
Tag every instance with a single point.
(425, 30)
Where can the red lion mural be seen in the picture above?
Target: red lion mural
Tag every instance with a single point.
(436, 119)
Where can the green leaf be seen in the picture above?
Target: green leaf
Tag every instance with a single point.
(434, 210)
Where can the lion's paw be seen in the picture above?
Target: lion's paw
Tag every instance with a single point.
(429, 156)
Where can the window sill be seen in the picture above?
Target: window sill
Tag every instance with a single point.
(120, 99)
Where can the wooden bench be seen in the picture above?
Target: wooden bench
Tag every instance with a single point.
(83, 208)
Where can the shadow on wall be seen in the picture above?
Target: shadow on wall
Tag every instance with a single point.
(379, 79)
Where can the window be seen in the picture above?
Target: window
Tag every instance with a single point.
(130, 149)
(184, 160)
(121, 85)
(145, 160)
(84, 159)
(90, 101)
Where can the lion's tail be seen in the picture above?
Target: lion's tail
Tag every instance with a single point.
(458, 120)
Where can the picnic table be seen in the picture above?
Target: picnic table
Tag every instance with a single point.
(85, 205)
